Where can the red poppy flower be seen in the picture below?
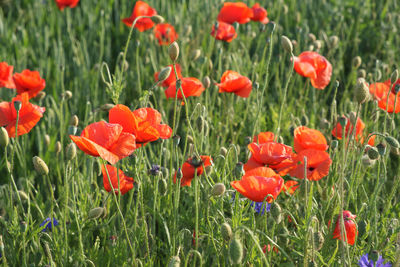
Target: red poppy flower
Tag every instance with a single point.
(190, 86)
(125, 182)
(141, 9)
(338, 131)
(165, 34)
(259, 14)
(275, 249)
(349, 226)
(105, 140)
(29, 115)
(305, 138)
(235, 12)
(66, 3)
(258, 183)
(29, 82)
(6, 73)
(171, 78)
(318, 164)
(233, 82)
(290, 186)
(143, 123)
(264, 137)
(314, 66)
(225, 32)
(380, 92)
(190, 166)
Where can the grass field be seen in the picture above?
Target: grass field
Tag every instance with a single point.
(90, 61)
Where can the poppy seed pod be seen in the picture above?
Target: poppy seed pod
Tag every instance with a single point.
(206, 82)
(226, 231)
(392, 141)
(17, 105)
(218, 190)
(71, 151)
(173, 51)
(236, 251)
(74, 121)
(164, 74)
(394, 76)
(361, 91)
(286, 44)
(40, 166)
(96, 213)
(373, 153)
(4, 139)
(157, 19)
(357, 62)
(175, 261)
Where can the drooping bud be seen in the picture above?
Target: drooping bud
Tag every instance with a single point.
(190, 139)
(40, 166)
(74, 121)
(195, 54)
(176, 139)
(173, 51)
(4, 139)
(95, 213)
(106, 107)
(286, 44)
(218, 190)
(164, 74)
(226, 231)
(394, 76)
(23, 195)
(71, 151)
(392, 141)
(67, 95)
(373, 153)
(312, 37)
(357, 62)
(361, 91)
(318, 239)
(381, 149)
(236, 251)
(157, 19)
(276, 212)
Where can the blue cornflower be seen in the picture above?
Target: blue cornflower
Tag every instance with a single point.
(365, 262)
(48, 225)
(259, 205)
(155, 169)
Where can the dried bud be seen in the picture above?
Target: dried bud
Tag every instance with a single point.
(175, 261)
(236, 251)
(58, 147)
(164, 74)
(226, 231)
(362, 91)
(357, 62)
(4, 139)
(286, 44)
(373, 153)
(206, 82)
(74, 121)
(96, 213)
(106, 107)
(157, 19)
(40, 166)
(71, 151)
(173, 51)
(394, 76)
(392, 141)
(218, 190)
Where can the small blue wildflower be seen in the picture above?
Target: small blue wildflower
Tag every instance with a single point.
(365, 262)
(155, 169)
(48, 225)
(259, 205)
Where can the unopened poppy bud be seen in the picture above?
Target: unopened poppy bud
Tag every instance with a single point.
(179, 174)
(352, 116)
(378, 74)
(17, 105)
(333, 41)
(285, 9)
(23, 195)
(239, 170)
(173, 51)
(74, 121)
(394, 151)
(318, 44)
(276, 212)
(286, 44)
(381, 149)
(256, 85)
(164, 74)
(312, 37)
(324, 123)
(95, 213)
(71, 151)
(394, 76)
(392, 141)
(4, 139)
(190, 139)
(40, 166)
(223, 151)
(226, 231)
(334, 144)
(106, 107)
(236, 251)
(177, 139)
(46, 139)
(361, 91)
(304, 120)
(357, 62)
(58, 147)
(175, 261)
(366, 161)
(195, 54)
(72, 130)
(218, 189)
(200, 123)
(67, 95)
(396, 88)
(361, 73)
(206, 82)
(157, 19)
(41, 95)
(294, 43)
(166, 153)
(342, 121)
(373, 153)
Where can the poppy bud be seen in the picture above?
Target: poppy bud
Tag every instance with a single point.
(366, 161)
(381, 149)
(175, 261)
(176, 139)
(318, 44)
(200, 123)
(357, 62)
(95, 213)
(361, 91)
(342, 121)
(23, 195)
(324, 124)
(392, 141)
(17, 105)
(67, 95)
(285, 9)
(226, 231)
(333, 40)
(286, 44)
(190, 139)
(276, 212)
(179, 174)
(239, 170)
(173, 51)
(72, 130)
(236, 251)
(206, 82)
(312, 37)
(157, 19)
(334, 144)
(4, 139)
(394, 76)
(373, 153)
(41, 95)
(378, 74)
(196, 54)
(71, 151)
(247, 140)
(361, 73)
(164, 74)
(218, 190)
(318, 240)
(74, 121)
(106, 107)
(40, 166)
(223, 151)
(58, 147)
(46, 139)
(352, 116)
(294, 43)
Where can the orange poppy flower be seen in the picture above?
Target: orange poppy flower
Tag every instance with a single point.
(338, 131)
(290, 186)
(29, 82)
(66, 3)
(29, 115)
(349, 226)
(190, 86)
(318, 164)
(258, 183)
(6, 73)
(305, 138)
(125, 182)
(264, 137)
(380, 92)
(143, 123)
(190, 166)
(233, 82)
(314, 66)
(225, 32)
(141, 9)
(235, 12)
(171, 78)
(105, 140)
(259, 14)
(165, 33)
